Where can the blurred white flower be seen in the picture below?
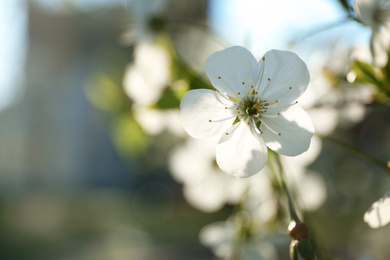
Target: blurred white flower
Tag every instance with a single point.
(376, 15)
(222, 237)
(148, 75)
(331, 105)
(208, 189)
(155, 121)
(308, 186)
(378, 215)
(144, 82)
(205, 186)
(252, 107)
(146, 18)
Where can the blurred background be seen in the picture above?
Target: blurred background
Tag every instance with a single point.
(93, 158)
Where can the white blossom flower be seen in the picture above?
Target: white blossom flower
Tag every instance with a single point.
(378, 215)
(205, 186)
(307, 185)
(253, 106)
(376, 14)
(221, 237)
(144, 82)
(147, 20)
(148, 75)
(329, 105)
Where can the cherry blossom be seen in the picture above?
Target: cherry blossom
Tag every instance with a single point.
(252, 107)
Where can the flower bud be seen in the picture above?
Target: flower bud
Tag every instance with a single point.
(302, 247)
(297, 230)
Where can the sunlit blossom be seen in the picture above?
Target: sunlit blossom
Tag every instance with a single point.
(144, 82)
(253, 106)
(307, 185)
(378, 215)
(330, 105)
(205, 186)
(376, 15)
(147, 76)
(222, 237)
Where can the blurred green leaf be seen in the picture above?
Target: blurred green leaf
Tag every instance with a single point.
(182, 70)
(366, 73)
(103, 93)
(128, 135)
(168, 100)
(172, 96)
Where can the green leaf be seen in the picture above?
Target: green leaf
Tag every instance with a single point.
(365, 73)
(168, 100)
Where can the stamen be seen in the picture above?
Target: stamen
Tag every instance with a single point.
(266, 87)
(269, 128)
(225, 97)
(260, 76)
(223, 119)
(226, 84)
(270, 116)
(234, 129)
(280, 107)
(255, 128)
(285, 93)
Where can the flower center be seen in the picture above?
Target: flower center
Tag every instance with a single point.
(252, 107)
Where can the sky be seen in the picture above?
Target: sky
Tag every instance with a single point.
(261, 25)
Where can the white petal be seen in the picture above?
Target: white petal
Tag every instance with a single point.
(296, 131)
(201, 105)
(285, 69)
(378, 215)
(379, 45)
(311, 190)
(243, 152)
(234, 65)
(300, 162)
(325, 119)
(365, 10)
(207, 197)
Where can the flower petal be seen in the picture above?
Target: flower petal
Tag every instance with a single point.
(243, 152)
(365, 10)
(234, 65)
(284, 69)
(296, 131)
(201, 105)
(379, 44)
(378, 215)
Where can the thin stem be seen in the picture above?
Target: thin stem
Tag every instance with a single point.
(383, 164)
(322, 29)
(291, 208)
